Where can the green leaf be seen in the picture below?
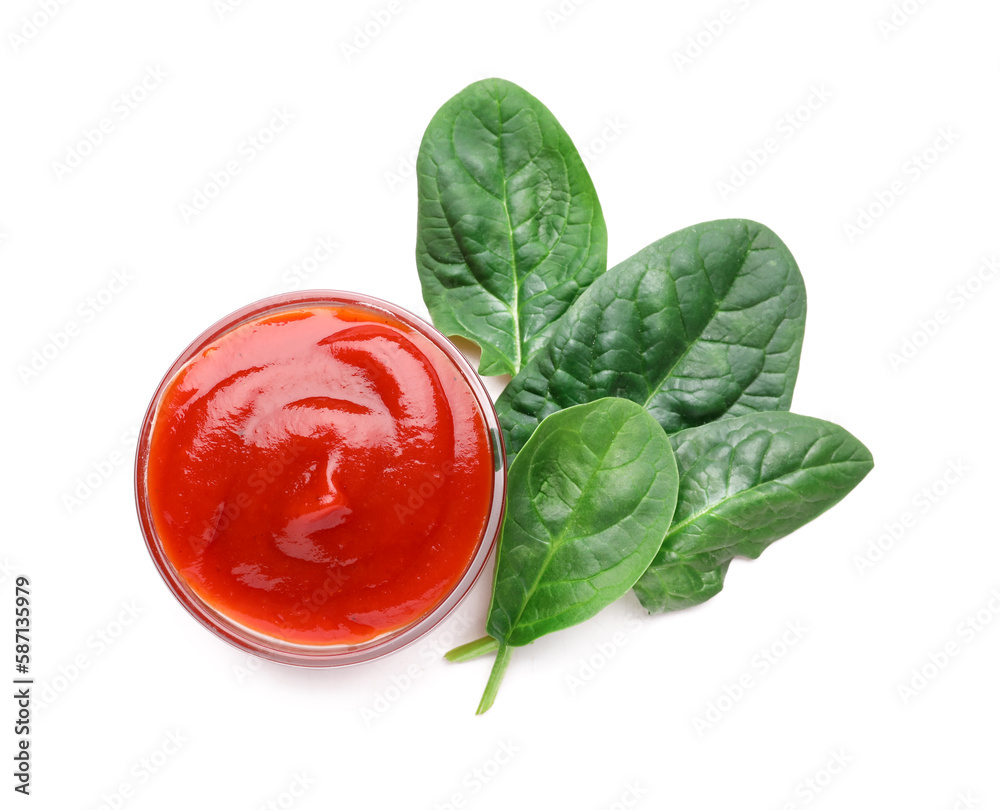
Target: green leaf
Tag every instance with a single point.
(676, 583)
(589, 501)
(705, 323)
(744, 483)
(509, 229)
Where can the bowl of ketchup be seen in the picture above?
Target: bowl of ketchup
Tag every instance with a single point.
(319, 478)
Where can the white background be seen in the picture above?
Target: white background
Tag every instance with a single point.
(659, 137)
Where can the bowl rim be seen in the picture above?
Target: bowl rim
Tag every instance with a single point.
(310, 655)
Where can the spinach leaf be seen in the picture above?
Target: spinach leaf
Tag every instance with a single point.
(676, 582)
(705, 323)
(589, 500)
(744, 483)
(509, 229)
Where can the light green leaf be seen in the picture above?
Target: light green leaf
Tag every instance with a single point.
(589, 501)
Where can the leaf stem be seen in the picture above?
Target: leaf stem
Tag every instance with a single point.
(473, 649)
(496, 675)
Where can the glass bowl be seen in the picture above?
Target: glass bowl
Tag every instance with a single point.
(338, 654)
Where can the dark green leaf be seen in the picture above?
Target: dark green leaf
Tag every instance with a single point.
(744, 483)
(676, 583)
(705, 323)
(509, 230)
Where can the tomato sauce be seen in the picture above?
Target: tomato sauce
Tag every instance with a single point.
(321, 475)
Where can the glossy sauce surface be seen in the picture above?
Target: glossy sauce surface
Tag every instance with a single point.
(322, 476)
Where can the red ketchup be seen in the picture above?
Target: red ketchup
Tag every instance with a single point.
(321, 476)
